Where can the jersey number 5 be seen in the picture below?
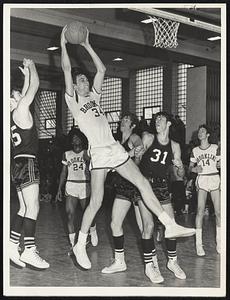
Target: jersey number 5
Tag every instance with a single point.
(16, 139)
(157, 155)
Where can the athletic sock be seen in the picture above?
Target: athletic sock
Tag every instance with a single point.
(29, 231)
(118, 242)
(72, 238)
(147, 246)
(171, 248)
(16, 229)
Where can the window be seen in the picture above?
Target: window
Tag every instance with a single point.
(45, 113)
(149, 89)
(111, 100)
(182, 90)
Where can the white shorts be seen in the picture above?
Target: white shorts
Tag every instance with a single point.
(108, 157)
(208, 183)
(79, 190)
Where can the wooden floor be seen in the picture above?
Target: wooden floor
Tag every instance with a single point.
(52, 241)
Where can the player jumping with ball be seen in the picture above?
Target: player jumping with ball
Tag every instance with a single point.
(105, 152)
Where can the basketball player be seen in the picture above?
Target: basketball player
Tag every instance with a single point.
(75, 176)
(204, 161)
(25, 170)
(158, 154)
(105, 152)
(125, 192)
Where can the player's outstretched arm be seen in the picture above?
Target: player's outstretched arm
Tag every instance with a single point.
(26, 73)
(66, 65)
(28, 98)
(99, 77)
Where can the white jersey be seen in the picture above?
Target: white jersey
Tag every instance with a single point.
(78, 166)
(91, 119)
(206, 158)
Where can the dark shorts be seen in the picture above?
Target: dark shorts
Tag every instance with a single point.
(25, 172)
(160, 189)
(124, 189)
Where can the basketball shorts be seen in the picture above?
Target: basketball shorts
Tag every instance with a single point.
(208, 183)
(160, 189)
(25, 172)
(124, 189)
(80, 190)
(108, 157)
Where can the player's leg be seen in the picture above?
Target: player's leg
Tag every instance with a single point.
(201, 201)
(132, 173)
(216, 203)
(97, 192)
(15, 232)
(171, 244)
(70, 207)
(119, 212)
(93, 230)
(30, 254)
(152, 270)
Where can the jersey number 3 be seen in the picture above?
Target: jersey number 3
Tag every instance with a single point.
(157, 156)
(16, 139)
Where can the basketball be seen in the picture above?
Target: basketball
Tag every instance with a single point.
(76, 32)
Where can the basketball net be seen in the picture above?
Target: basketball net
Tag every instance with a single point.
(165, 32)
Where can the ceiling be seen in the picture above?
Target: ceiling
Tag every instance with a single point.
(113, 32)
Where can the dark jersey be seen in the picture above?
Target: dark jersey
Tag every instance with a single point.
(24, 141)
(156, 160)
(126, 145)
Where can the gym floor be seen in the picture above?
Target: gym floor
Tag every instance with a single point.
(53, 245)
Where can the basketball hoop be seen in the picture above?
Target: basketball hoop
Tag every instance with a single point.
(165, 32)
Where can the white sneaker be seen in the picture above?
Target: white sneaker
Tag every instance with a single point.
(79, 251)
(200, 250)
(14, 254)
(218, 248)
(175, 230)
(173, 266)
(153, 273)
(94, 237)
(31, 257)
(117, 266)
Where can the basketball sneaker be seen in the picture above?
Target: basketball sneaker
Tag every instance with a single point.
(200, 250)
(14, 254)
(153, 273)
(31, 257)
(93, 235)
(173, 266)
(117, 266)
(174, 231)
(80, 253)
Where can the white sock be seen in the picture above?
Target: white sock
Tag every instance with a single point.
(165, 219)
(72, 238)
(199, 236)
(82, 237)
(93, 228)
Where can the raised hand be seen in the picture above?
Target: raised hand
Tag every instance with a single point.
(86, 42)
(63, 38)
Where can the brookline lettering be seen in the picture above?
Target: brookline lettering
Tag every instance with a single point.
(88, 106)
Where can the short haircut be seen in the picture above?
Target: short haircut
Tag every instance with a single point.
(133, 118)
(208, 130)
(164, 114)
(76, 131)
